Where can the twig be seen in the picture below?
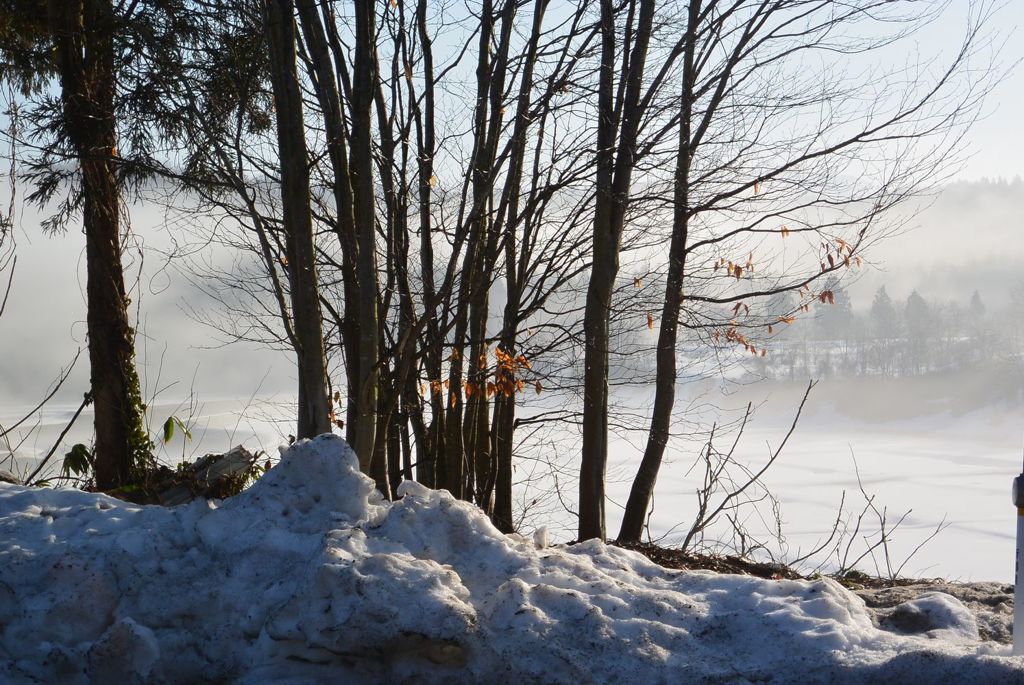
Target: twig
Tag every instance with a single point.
(85, 401)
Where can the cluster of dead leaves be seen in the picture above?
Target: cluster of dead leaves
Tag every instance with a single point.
(507, 380)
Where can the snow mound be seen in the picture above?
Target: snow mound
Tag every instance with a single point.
(936, 615)
(309, 577)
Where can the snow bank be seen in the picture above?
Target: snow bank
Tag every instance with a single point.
(308, 577)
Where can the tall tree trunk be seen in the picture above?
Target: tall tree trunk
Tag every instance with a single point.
(505, 405)
(462, 431)
(314, 405)
(328, 96)
(429, 455)
(615, 163)
(84, 56)
(361, 165)
(397, 387)
(491, 76)
(642, 490)
(599, 293)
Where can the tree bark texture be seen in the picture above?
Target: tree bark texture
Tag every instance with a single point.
(84, 55)
(361, 165)
(328, 96)
(314, 405)
(615, 163)
(642, 490)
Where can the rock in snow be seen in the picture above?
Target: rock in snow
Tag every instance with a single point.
(309, 577)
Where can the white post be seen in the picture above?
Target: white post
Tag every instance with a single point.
(1018, 589)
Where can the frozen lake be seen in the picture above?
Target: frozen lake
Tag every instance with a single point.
(940, 448)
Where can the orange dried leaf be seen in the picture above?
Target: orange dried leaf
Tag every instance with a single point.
(538, 387)
(650, 321)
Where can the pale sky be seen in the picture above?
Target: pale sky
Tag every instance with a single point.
(996, 143)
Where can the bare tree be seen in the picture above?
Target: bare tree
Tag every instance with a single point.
(619, 121)
(829, 181)
(314, 409)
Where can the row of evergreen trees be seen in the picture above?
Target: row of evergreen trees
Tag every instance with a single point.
(896, 337)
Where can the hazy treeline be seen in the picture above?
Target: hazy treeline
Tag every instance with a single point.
(899, 337)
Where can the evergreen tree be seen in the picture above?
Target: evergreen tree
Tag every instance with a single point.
(919, 323)
(884, 319)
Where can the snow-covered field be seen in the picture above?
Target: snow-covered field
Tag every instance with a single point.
(943, 448)
(308, 578)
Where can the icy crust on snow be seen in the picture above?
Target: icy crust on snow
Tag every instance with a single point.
(308, 577)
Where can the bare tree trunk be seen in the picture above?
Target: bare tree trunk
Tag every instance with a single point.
(365, 216)
(314, 405)
(599, 294)
(462, 431)
(615, 163)
(329, 99)
(430, 457)
(505, 405)
(642, 491)
(85, 60)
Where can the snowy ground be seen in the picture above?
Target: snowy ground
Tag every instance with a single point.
(308, 578)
